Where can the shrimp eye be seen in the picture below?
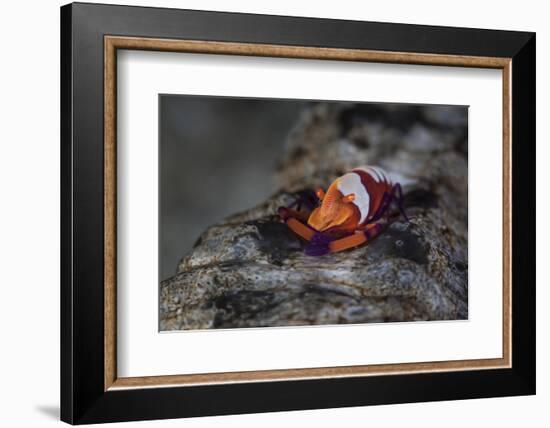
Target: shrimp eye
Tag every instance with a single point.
(348, 198)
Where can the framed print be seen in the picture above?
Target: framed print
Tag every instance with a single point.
(264, 213)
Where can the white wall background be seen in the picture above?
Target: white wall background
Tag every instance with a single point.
(29, 214)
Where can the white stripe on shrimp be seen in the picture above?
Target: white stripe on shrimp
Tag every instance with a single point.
(370, 170)
(377, 173)
(351, 183)
(373, 172)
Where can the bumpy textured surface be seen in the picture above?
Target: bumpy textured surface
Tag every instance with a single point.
(250, 270)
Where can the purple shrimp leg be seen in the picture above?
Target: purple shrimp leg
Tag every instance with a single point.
(319, 245)
(399, 199)
(383, 208)
(387, 200)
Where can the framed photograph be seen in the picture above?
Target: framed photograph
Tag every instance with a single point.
(265, 213)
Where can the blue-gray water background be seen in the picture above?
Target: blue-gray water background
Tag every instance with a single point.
(217, 157)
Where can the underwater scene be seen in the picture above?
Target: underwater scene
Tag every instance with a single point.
(278, 212)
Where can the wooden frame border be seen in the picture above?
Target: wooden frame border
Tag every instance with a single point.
(113, 43)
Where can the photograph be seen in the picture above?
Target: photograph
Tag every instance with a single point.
(287, 212)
